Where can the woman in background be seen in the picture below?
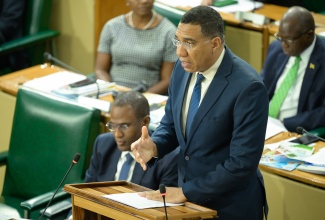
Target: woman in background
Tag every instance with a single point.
(137, 47)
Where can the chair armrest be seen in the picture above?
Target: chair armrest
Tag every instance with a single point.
(319, 131)
(27, 41)
(3, 157)
(60, 208)
(42, 200)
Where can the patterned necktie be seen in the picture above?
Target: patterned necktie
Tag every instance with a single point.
(194, 103)
(126, 167)
(281, 93)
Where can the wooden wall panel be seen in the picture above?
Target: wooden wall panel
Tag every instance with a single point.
(105, 10)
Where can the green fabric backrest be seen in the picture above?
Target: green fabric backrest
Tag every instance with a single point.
(37, 15)
(174, 15)
(46, 134)
(37, 18)
(317, 6)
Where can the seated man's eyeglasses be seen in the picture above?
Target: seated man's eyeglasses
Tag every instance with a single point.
(289, 41)
(113, 127)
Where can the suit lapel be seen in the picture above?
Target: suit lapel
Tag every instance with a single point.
(310, 73)
(137, 174)
(280, 64)
(179, 103)
(217, 86)
(116, 154)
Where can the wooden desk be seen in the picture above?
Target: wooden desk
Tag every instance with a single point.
(88, 203)
(10, 83)
(304, 177)
(294, 195)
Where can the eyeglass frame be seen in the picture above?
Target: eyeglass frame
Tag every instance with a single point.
(289, 41)
(122, 127)
(186, 45)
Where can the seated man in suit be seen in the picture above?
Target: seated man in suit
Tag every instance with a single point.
(294, 72)
(129, 112)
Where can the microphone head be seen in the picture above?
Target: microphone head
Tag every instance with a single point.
(162, 189)
(300, 130)
(47, 56)
(142, 87)
(76, 158)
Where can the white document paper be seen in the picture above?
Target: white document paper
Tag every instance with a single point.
(183, 3)
(54, 81)
(317, 158)
(155, 98)
(242, 5)
(138, 202)
(274, 127)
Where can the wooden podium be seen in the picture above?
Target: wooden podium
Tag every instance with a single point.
(88, 203)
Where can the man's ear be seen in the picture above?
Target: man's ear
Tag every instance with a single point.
(146, 120)
(216, 43)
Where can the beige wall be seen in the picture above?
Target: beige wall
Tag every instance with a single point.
(75, 20)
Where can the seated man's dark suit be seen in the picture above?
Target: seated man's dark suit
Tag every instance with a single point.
(311, 106)
(104, 161)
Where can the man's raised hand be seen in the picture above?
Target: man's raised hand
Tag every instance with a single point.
(144, 148)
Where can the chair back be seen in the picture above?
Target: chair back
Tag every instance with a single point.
(46, 134)
(37, 18)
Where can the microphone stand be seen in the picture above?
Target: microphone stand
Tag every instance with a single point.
(162, 190)
(74, 161)
(48, 56)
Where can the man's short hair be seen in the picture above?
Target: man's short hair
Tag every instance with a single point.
(209, 19)
(135, 100)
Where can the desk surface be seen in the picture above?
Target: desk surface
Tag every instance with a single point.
(308, 178)
(10, 83)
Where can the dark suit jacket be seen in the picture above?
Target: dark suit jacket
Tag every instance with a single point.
(311, 106)
(11, 27)
(104, 161)
(218, 163)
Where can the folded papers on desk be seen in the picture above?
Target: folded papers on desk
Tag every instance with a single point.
(138, 202)
(289, 156)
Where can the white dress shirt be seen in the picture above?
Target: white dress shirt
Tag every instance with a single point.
(290, 104)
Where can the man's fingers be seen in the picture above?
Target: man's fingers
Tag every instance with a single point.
(145, 133)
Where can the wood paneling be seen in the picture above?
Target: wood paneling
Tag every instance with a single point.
(106, 10)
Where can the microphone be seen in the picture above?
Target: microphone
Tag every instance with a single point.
(301, 130)
(48, 56)
(74, 161)
(142, 87)
(162, 190)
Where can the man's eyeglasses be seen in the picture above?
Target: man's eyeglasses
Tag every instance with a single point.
(113, 127)
(186, 45)
(290, 41)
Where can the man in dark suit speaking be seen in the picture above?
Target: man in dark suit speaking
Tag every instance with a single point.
(217, 113)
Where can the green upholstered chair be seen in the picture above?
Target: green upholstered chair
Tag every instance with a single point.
(315, 6)
(172, 14)
(46, 134)
(37, 38)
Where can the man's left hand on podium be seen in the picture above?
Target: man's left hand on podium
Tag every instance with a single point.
(173, 195)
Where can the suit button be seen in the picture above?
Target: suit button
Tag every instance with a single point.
(187, 157)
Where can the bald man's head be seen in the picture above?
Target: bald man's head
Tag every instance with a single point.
(297, 28)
